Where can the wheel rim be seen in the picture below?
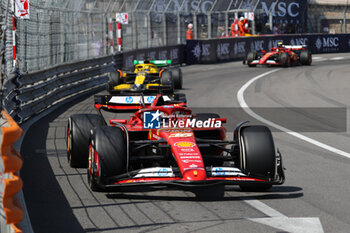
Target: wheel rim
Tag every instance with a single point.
(90, 160)
(69, 142)
(243, 165)
(94, 163)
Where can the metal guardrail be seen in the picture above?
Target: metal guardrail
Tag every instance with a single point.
(26, 95)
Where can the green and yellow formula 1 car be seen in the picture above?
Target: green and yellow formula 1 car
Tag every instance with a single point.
(147, 76)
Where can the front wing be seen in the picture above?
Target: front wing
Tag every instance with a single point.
(171, 176)
(267, 62)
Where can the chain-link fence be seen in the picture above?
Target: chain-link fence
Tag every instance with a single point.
(60, 31)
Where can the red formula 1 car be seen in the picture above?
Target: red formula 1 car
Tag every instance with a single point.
(283, 55)
(163, 143)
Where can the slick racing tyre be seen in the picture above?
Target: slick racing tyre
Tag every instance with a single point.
(305, 58)
(107, 156)
(78, 134)
(177, 77)
(114, 79)
(250, 58)
(258, 156)
(167, 80)
(284, 60)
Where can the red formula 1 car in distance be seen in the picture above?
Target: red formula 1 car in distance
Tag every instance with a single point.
(165, 144)
(283, 55)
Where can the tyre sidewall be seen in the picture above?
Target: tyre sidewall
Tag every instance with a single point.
(110, 145)
(78, 134)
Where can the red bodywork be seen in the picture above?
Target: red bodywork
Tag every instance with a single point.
(273, 56)
(184, 147)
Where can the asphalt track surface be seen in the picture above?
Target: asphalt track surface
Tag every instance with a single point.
(317, 186)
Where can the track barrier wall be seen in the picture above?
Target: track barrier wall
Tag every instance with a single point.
(11, 212)
(233, 49)
(26, 95)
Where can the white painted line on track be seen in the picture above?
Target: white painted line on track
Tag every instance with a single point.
(280, 221)
(263, 208)
(275, 218)
(337, 58)
(292, 225)
(244, 105)
(317, 58)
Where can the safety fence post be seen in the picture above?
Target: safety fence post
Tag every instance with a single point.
(110, 34)
(119, 36)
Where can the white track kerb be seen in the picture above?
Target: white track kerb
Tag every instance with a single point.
(244, 105)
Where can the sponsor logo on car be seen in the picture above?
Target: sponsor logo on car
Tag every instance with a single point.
(180, 135)
(187, 150)
(184, 144)
(129, 99)
(190, 157)
(163, 172)
(150, 99)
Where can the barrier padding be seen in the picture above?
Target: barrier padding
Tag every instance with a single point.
(12, 163)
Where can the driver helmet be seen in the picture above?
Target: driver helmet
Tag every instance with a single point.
(190, 26)
(280, 44)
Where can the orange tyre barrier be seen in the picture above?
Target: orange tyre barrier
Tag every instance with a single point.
(10, 164)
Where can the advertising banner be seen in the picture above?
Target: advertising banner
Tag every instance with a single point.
(285, 11)
(22, 9)
(233, 49)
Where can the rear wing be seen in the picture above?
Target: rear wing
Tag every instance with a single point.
(132, 103)
(295, 47)
(160, 63)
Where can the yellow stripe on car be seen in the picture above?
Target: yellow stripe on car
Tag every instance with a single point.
(122, 86)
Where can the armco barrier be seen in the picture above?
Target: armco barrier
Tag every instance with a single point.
(26, 95)
(11, 212)
(233, 49)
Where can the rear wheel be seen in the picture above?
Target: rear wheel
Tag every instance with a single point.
(177, 77)
(78, 134)
(167, 80)
(305, 57)
(285, 60)
(114, 79)
(250, 58)
(258, 156)
(107, 155)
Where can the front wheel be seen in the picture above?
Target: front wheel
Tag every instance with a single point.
(258, 157)
(285, 60)
(250, 58)
(114, 79)
(167, 80)
(107, 155)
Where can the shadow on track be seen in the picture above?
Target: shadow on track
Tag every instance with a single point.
(47, 205)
